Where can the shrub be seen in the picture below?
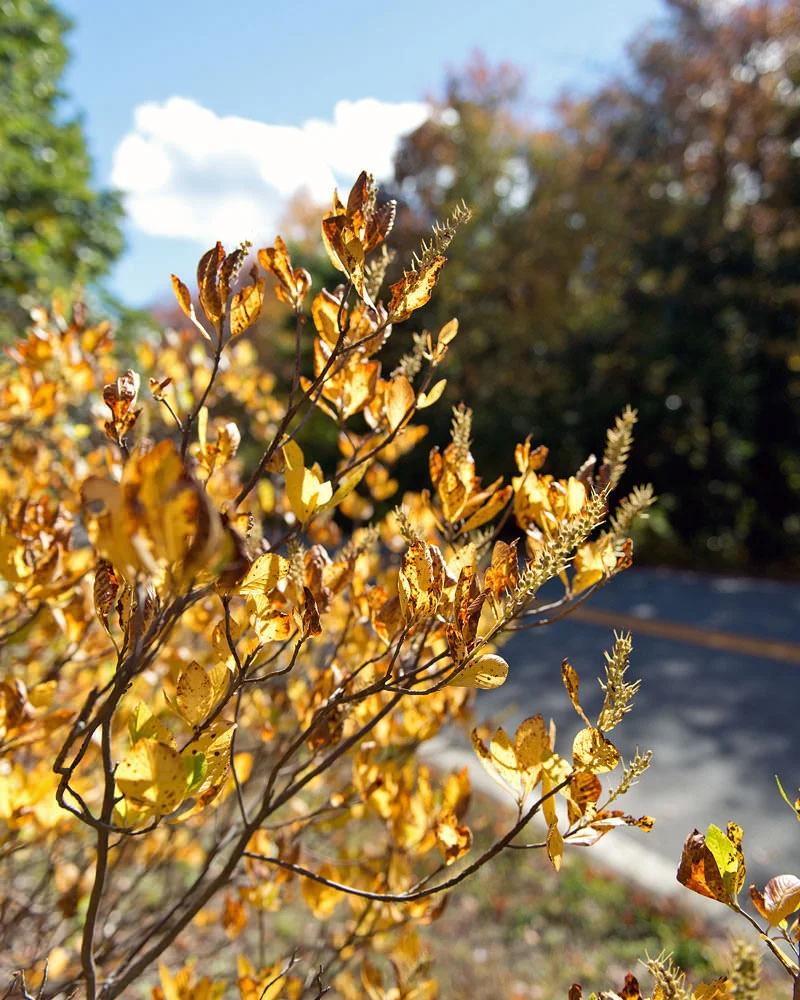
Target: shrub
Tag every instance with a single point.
(214, 693)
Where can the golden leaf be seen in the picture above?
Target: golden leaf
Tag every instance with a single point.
(554, 840)
(420, 581)
(592, 751)
(207, 271)
(720, 989)
(414, 289)
(194, 693)
(400, 400)
(780, 899)
(454, 839)
(487, 672)
(502, 763)
(275, 626)
(698, 869)
(215, 746)
(492, 507)
(142, 724)
(569, 676)
(246, 305)
(265, 574)
(183, 296)
(305, 490)
(532, 745)
(447, 334)
(106, 589)
(152, 777)
(430, 397)
(321, 899)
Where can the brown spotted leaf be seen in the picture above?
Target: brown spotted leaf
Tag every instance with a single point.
(152, 777)
(414, 289)
(571, 682)
(593, 752)
(246, 305)
(698, 870)
(207, 272)
(183, 296)
(487, 672)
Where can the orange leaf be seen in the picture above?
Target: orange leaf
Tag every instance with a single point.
(698, 870)
(207, 271)
(414, 289)
(246, 305)
(182, 295)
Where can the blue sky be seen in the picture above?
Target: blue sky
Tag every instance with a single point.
(209, 115)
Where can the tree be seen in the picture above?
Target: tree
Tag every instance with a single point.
(55, 229)
(647, 252)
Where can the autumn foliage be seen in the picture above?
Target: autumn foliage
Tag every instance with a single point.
(216, 676)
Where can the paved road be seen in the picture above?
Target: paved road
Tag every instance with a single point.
(721, 719)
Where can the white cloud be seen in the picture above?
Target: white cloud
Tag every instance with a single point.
(186, 172)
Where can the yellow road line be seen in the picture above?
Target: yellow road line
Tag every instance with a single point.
(771, 649)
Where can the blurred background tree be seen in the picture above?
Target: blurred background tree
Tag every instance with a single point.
(56, 230)
(645, 248)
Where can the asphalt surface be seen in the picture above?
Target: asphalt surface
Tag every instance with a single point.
(719, 659)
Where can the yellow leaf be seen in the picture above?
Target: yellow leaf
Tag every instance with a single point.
(400, 401)
(143, 725)
(414, 289)
(569, 676)
(492, 507)
(488, 671)
(432, 395)
(532, 745)
(152, 777)
(346, 487)
(420, 581)
(246, 305)
(265, 574)
(576, 496)
(215, 746)
(500, 761)
(321, 899)
(555, 845)
(720, 989)
(447, 333)
(194, 693)
(275, 626)
(183, 296)
(207, 272)
(454, 839)
(304, 489)
(592, 752)
(781, 898)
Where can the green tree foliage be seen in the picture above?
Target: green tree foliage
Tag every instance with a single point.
(55, 229)
(646, 249)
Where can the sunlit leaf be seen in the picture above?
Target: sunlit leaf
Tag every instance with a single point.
(194, 693)
(152, 776)
(414, 289)
(207, 271)
(400, 400)
(699, 871)
(488, 671)
(246, 305)
(592, 751)
(780, 899)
